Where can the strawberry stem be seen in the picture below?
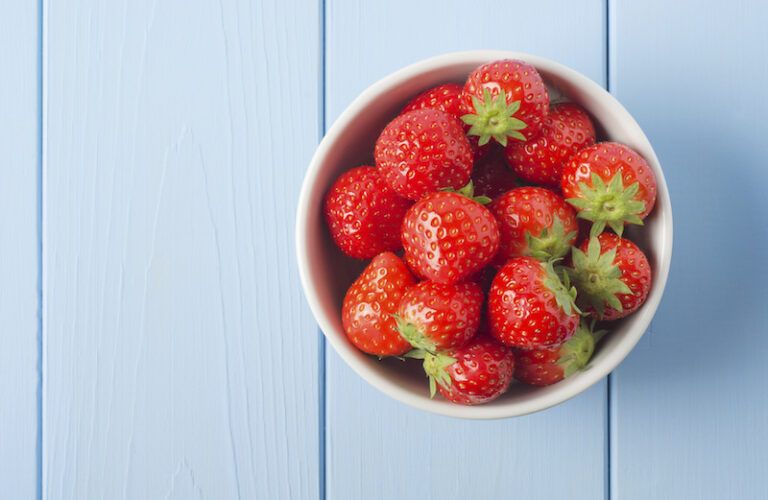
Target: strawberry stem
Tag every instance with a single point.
(494, 118)
(612, 205)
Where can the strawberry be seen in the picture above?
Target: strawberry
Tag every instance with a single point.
(566, 129)
(422, 151)
(364, 214)
(474, 374)
(609, 184)
(534, 221)
(612, 275)
(530, 307)
(434, 316)
(551, 365)
(492, 176)
(371, 301)
(446, 98)
(505, 99)
(449, 236)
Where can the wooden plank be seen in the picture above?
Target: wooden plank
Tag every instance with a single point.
(378, 448)
(181, 359)
(690, 409)
(19, 248)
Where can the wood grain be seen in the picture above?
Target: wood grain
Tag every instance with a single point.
(378, 448)
(181, 359)
(19, 248)
(691, 400)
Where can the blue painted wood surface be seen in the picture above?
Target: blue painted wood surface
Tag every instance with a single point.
(378, 448)
(19, 243)
(691, 402)
(177, 356)
(180, 357)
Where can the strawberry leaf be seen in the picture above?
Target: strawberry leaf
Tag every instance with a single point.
(612, 204)
(550, 243)
(494, 119)
(597, 276)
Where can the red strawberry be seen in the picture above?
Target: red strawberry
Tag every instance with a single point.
(551, 365)
(611, 184)
(422, 151)
(371, 301)
(612, 275)
(566, 130)
(449, 236)
(446, 98)
(529, 307)
(505, 98)
(534, 221)
(433, 316)
(474, 374)
(492, 176)
(364, 214)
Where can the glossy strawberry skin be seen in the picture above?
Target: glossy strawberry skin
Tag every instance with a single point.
(371, 301)
(566, 130)
(520, 82)
(492, 176)
(530, 210)
(364, 214)
(606, 159)
(446, 98)
(422, 151)
(538, 366)
(523, 311)
(448, 237)
(482, 372)
(447, 315)
(635, 273)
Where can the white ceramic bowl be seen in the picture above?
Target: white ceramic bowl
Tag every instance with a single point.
(326, 273)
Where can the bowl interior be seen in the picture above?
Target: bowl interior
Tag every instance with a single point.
(327, 273)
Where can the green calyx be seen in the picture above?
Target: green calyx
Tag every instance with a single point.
(598, 277)
(552, 243)
(560, 286)
(414, 335)
(612, 205)
(578, 350)
(494, 118)
(468, 191)
(435, 367)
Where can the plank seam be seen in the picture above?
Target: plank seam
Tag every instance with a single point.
(322, 377)
(40, 280)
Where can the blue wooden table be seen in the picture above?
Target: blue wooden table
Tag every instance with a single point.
(154, 339)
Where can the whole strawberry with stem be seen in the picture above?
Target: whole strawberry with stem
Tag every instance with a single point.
(530, 306)
(422, 151)
(492, 176)
(446, 98)
(612, 275)
(536, 222)
(476, 373)
(566, 129)
(610, 185)
(551, 365)
(449, 236)
(435, 316)
(364, 214)
(503, 100)
(370, 304)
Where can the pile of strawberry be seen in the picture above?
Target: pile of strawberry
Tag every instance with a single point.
(510, 218)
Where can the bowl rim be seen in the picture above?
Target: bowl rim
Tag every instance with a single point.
(557, 393)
